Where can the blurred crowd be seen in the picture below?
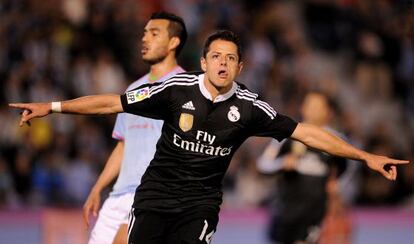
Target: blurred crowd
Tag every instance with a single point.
(359, 52)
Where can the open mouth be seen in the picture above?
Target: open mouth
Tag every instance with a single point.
(144, 50)
(222, 74)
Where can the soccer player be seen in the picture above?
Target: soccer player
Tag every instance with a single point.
(164, 37)
(207, 116)
(303, 175)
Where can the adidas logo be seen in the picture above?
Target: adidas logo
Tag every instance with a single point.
(189, 105)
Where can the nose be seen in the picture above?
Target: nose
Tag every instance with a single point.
(144, 38)
(223, 61)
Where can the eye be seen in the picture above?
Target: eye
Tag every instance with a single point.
(232, 58)
(155, 33)
(215, 56)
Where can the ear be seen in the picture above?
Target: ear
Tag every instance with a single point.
(173, 43)
(203, 64)
(241, 65)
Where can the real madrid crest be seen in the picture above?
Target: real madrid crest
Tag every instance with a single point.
(233, 115)
(186, 122)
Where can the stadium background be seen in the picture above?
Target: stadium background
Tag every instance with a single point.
(361, 52)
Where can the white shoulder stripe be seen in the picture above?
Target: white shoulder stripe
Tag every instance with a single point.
(259, 104)
(179, 83)
(247, 93)
(265, 104)
(250, 96)
(186, 75)
(172, 80)
(176, 78)
(251, 93)
(271, 112)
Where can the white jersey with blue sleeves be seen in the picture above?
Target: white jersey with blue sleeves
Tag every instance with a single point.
(140, 136)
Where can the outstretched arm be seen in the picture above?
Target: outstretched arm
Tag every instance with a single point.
(97, 104)
(109, 173)
(322, 140)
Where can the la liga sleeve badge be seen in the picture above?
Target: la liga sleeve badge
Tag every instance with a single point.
(137, 95)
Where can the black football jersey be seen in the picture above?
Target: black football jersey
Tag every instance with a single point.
(198, 138)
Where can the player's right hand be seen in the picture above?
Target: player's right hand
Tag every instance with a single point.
(91, 206)
(31, 110)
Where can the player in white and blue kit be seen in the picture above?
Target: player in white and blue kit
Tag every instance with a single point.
(140, 133)
(164, 37)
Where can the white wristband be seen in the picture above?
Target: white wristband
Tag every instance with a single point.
(56, 107)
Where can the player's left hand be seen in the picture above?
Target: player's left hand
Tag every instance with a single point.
(384, 165)
(91, 206)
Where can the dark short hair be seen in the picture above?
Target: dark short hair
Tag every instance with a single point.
(176, 27)
(330, 100)
(225, 35)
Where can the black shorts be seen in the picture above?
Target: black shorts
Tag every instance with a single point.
(195, 226)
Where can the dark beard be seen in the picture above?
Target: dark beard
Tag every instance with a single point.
(155, 60)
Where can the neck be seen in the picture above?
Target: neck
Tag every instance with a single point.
(162, 68)
(214, 90)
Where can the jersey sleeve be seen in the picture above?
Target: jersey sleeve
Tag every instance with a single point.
(266, 122)
(149, 100)
(118, 132)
